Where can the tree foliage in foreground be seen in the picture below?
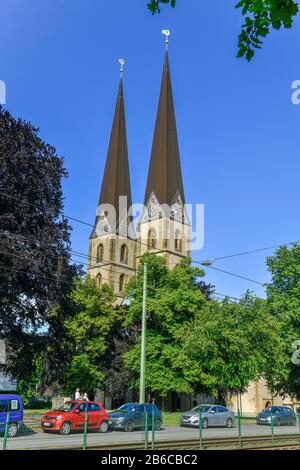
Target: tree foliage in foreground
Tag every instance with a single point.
(283, 296)
(173, 301)
(229, 344)
(260, 17)
(89, 333)
(36, 274)
(195, 344)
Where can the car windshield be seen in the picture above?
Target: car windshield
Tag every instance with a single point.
(68, 406)
(202, 408)
(126, 408)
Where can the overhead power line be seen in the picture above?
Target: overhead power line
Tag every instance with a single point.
(203, 263)
(232, 274)
(242, 253)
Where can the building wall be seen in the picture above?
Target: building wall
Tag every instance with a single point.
(255, 399)
(111, 267)
(165, 231)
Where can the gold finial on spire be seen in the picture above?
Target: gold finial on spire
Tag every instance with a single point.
(121, 62)
(166, 33)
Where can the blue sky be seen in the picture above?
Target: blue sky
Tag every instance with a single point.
(238, 129)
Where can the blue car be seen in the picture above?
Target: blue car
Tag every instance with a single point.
(132, 416)
(11, 404)
(280, 415)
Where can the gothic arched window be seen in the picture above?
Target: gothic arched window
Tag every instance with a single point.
(98, 280)
(100, 251)
(178, 241)
(122, 282)
(151, 239)
(124, 254)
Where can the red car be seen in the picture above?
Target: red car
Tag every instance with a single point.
(71, 416)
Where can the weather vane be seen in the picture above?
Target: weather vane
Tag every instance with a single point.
(121, 62)
(166, 33)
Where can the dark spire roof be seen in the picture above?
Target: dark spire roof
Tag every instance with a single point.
(116, 179)
(164, 175)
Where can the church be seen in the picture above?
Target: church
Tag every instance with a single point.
(164, 229)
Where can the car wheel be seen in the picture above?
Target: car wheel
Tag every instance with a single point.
(103, 426)
(277, 422)
(65, 428)
(129, 426)
(12, 430)
(294, 422)
(204, 423)
(229, 423)
(157, 426)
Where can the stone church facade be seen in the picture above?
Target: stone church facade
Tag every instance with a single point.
(163, 228)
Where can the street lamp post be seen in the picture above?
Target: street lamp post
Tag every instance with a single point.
(143, 338)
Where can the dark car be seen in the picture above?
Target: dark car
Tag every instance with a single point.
(133, 415)
(279, 414)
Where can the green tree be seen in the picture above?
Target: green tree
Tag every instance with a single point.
(283, 296)
(195, 344)
(174, 298)
(229, 344)
(117, 376)
(36, 274)
(88, 332)
(260, 17)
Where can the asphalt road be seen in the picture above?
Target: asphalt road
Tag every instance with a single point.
(40, 440)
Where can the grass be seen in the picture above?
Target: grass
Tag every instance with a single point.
(29, 412)
(171, 419)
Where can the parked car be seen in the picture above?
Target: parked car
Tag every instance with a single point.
(71, 417)
(279, 414)
(11, 404)
(212, 415)
(132, 416)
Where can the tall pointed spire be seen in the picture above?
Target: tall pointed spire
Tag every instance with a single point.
(116, 179)
(164, 175)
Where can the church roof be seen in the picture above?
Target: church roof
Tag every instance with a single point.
(116, 179)
(164, 175)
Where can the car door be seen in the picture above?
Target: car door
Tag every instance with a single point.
(3, 414)
(139, 416)
(150, 410)
(213, 416)
(78, 416)
(16, 413)
(94, 415)
(286, 416)
(222, 415)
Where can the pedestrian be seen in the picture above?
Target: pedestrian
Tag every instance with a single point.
(85, 397)
(77, 395)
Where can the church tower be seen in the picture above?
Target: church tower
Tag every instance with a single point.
(164, 226)
(112, 245)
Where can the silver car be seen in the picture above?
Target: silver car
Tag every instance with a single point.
(212, 415)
